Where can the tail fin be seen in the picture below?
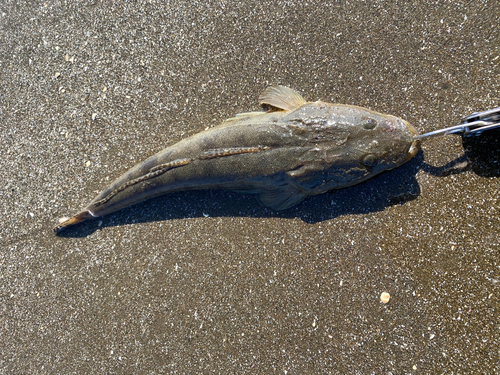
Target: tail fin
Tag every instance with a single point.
(78, 218)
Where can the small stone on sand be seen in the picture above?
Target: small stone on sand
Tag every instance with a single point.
(385, 297)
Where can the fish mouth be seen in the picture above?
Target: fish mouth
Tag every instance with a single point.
(415, 146)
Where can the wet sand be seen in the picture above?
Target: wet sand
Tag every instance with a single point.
(209, 281)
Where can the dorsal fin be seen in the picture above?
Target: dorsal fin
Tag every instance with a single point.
(243, 116)
(281, 97)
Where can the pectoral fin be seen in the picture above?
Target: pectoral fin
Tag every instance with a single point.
(281, 97)
(281, 198)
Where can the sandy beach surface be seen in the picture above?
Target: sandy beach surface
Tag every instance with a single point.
(209, 281)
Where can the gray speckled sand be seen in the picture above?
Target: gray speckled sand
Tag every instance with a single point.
(210, 282)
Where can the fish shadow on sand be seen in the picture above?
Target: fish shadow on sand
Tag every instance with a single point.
(393, 187)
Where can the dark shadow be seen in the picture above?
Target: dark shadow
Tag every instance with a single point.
(482, 156)
(394, 187)
(483, 153)
(458, 165)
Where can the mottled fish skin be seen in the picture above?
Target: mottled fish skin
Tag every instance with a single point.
(295, 149)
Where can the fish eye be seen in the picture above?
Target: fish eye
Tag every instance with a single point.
(369, 160)
(369, 124)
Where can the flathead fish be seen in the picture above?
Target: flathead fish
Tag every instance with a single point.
(292, 150)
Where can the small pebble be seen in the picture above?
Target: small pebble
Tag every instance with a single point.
(385, 297)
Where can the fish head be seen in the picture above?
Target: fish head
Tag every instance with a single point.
(381, 142)
(346, 145)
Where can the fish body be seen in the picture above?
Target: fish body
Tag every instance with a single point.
(293, 150)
